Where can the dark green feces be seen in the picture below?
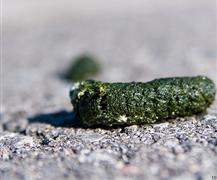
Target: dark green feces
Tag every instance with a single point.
(108, 104)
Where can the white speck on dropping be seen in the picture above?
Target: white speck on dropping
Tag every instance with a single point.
(80, 94)
(75, 86)
(74, 89)
(122, 118)
(101, 89)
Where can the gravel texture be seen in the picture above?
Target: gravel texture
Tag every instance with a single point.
(138, 40)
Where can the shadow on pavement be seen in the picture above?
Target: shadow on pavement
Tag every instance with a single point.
(58, 119)
(65, 119)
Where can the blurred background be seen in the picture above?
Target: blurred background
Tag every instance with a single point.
(133, 41)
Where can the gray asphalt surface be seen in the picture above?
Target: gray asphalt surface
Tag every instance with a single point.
(134, 41)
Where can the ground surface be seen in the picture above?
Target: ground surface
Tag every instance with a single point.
(138, 40)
